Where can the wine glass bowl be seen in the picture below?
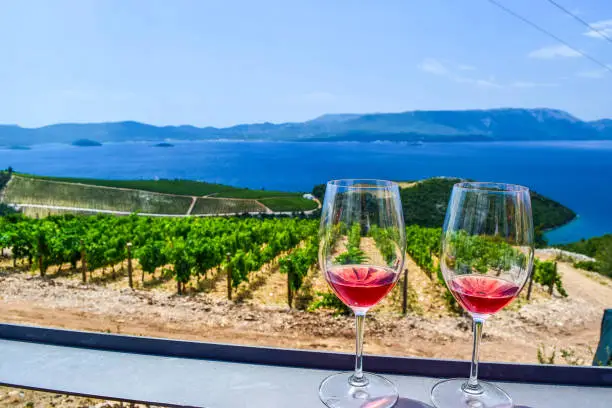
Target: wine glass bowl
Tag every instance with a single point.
(361, 255)
(486, 258)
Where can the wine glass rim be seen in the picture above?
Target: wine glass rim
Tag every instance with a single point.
(491, 187)
(353, 184)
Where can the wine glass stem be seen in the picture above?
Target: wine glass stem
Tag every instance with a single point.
(472, 386)
(358, 379)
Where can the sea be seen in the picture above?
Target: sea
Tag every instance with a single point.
(577, 174)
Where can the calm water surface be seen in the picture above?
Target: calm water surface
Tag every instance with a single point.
(577, 174)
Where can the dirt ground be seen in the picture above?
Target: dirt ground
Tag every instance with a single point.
(262, 318)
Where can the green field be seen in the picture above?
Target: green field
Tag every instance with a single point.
(26, 190)
(288, 203)
(178, 187)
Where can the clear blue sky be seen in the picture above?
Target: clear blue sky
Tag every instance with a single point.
(225, 62)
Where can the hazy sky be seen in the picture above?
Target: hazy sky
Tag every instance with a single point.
(225, 62)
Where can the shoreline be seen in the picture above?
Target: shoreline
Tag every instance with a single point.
(421, 142)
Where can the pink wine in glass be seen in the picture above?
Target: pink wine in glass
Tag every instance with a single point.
(481, 294)
(361, 286)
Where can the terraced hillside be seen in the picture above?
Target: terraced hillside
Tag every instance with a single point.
(26, 190)
(43, 196)
(207, 205)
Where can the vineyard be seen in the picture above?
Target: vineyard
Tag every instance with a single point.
(423, 246)
(200, 249)
(231, 280)
(183, 248)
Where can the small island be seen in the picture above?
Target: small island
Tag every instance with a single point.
(163, 144)
(86, 143)
(19, 147)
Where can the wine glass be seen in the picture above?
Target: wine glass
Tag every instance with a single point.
(361, 255)
(487, 256)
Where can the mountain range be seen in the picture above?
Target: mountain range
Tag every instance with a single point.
(512, 124)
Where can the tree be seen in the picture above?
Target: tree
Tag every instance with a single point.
(605, 260)
(319, 191)
(6, 210)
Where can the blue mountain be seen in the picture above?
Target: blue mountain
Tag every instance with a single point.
(426, 126)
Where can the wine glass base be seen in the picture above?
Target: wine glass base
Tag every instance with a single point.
(450, 394)
(336, 392)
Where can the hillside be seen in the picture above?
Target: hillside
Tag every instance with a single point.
(599, 248)
(44, 195)
(178, 187)
(429, 126)
(425, 203)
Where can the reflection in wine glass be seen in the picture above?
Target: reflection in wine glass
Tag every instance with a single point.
(361, 254)
(487, 256)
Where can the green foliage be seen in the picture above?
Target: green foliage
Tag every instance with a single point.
(545, 273)
(548, 213)
(288, 203)
(354, 236)
(587, 266)
(297, 264)
(589, 247)
(385, 242)
(481, 254)
(191, 245)
(5, 176)
(280, 236)
(319, 191)
(6, 210)
(422, 244)
(151, 256)
(328, 300)
(599, 248)
(353, 256)
(425, 204)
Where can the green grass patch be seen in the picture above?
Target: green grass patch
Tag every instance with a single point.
(288, 203)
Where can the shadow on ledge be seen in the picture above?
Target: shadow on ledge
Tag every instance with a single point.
(410, 403)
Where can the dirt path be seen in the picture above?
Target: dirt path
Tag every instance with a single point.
(193, 203)
(513, 335)
(594, 288)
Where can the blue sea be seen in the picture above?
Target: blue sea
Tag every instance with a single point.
(577, 174)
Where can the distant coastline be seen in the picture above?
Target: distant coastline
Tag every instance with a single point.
(510, 124)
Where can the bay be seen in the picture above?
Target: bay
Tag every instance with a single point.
(577, 174)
